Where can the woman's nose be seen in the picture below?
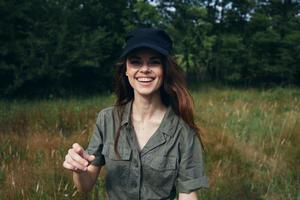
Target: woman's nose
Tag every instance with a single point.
(145, 68)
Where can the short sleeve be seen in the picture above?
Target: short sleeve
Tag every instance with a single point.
(96, 143)
(191, 167)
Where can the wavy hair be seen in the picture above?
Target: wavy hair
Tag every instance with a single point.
(173, 93)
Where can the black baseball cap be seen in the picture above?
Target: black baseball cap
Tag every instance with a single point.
(152, 38)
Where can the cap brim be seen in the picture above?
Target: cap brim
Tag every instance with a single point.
(126, 51)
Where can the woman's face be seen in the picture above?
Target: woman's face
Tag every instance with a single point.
(144, 71)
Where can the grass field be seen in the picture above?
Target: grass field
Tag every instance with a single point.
(251, 140)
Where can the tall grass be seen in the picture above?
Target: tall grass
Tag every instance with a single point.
(251, 139)
(251, 142)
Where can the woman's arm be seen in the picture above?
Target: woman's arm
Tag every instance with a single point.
(84, 181)
(190, 196)
(84, 174)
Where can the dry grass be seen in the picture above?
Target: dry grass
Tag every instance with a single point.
(251, 139)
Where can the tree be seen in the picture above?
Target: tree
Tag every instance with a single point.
(59, 47)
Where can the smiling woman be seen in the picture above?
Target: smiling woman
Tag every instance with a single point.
(148, 142)
(144, 71)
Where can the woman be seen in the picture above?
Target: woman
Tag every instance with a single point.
(148, 141)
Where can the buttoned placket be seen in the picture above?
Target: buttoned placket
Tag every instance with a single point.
(135, 167)
(140, 156)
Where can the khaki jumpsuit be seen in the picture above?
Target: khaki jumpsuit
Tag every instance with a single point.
(169, 163)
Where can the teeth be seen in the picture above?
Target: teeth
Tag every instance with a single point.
(144, 79)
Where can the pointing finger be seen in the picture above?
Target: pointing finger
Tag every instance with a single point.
(77, 148)
(71, 167)
(76, 165)
(88, 157)
(77, 157)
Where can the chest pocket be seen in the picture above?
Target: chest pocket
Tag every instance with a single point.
(160, 173)
(109, 152)
(118, 168)
(162, 163)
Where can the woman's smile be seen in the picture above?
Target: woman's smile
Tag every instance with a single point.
(144, 71)
(145, 81)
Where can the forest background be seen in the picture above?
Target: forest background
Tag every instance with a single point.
(58, 48)
(241, 60)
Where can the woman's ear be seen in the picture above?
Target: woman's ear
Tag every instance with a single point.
(126, 73)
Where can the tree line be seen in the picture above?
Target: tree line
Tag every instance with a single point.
(62, 47)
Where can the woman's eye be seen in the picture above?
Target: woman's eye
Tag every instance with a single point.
(155, 62)
(135, 62)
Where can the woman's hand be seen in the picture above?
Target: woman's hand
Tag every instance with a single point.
(77, 159)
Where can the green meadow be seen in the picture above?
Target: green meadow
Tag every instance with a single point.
(251, 139)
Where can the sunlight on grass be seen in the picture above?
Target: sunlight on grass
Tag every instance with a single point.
(251, 141)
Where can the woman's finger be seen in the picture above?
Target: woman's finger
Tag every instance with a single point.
(74, 163)
(68, 166)
(77, 157)
(88, 157)
(77, 148)
(71, 167)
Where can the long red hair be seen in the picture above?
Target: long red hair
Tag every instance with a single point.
(173, 93)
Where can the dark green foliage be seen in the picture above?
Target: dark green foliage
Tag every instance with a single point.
(58, 48)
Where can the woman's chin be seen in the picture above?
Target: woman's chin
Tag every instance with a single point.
(146, 91)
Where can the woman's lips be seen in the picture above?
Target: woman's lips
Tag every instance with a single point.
(145, 79)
